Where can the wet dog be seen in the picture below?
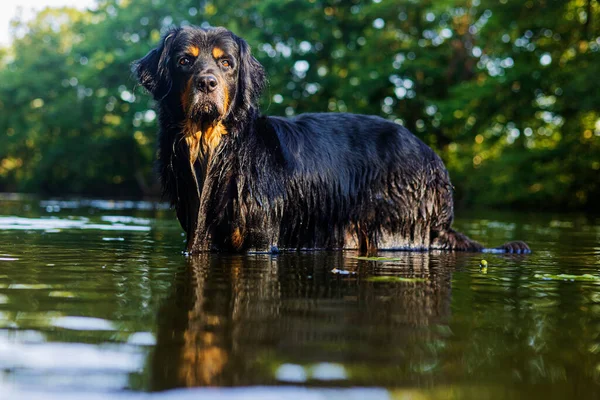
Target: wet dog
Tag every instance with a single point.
(241, 181)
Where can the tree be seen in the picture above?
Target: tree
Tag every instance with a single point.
(503, 90)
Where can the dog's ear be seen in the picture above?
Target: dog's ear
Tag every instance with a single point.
(153, 71)
(252, 79)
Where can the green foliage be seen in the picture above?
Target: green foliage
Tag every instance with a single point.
(506, 91)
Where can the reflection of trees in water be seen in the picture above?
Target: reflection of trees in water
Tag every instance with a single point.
(233, 320)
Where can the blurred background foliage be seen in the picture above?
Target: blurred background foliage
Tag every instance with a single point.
(506, 91)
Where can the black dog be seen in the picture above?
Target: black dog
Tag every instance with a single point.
(241, 181)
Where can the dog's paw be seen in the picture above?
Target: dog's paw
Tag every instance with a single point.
(516, 247)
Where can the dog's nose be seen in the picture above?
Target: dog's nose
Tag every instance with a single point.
(207, 83)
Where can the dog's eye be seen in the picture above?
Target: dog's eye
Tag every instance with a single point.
(184, 61)
(225, 63)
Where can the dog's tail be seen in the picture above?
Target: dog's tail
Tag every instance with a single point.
(453, 240)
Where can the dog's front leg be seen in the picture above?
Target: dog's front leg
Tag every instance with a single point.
(264, 236)
(198, 243)
(201, 238)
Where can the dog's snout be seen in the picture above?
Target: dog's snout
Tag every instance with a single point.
(207, 83)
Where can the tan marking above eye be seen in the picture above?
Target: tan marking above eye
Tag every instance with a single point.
(193, 50)
(218, 52)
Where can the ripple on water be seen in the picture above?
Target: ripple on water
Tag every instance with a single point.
(68, 356)
(54, 224)
(83, 323)
(94, 308)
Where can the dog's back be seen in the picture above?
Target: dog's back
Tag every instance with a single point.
(358, 180)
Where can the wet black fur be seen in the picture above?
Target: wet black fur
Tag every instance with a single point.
(323, 181)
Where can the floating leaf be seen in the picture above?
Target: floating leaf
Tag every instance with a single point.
(567, 277)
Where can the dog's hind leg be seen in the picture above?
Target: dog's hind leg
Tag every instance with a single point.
(443, 237)
(452, 240)
(516, 246)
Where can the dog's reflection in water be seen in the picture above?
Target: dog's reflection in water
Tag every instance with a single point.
(231, 320)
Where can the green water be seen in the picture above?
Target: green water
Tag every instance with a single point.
(97, 299)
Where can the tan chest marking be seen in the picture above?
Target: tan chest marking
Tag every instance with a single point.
(205, 141)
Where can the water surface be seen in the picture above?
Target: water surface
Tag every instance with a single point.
(96, 299)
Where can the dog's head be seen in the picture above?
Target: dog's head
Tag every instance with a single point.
(205, 73)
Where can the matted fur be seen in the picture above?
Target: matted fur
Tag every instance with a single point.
(316, 181)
